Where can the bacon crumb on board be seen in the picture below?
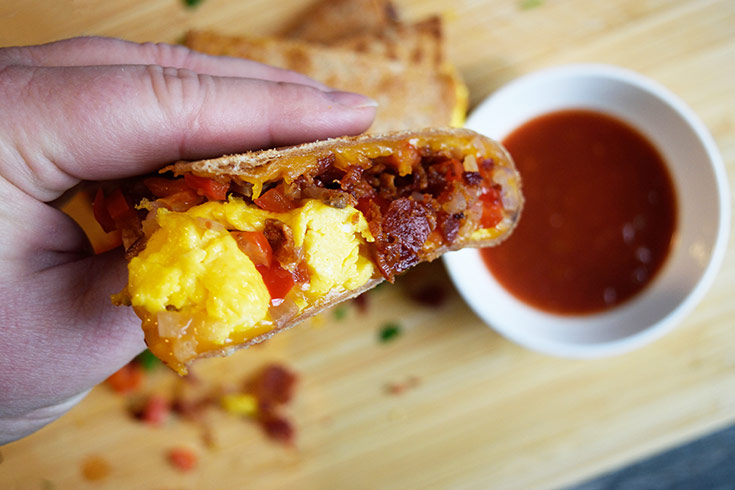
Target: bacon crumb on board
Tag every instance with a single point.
(433, 295)
(273, 387)
(261, 397)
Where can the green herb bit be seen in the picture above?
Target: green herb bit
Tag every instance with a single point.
(147, 360)
(530, 4)
(192, 3)
(389, 332)
(340, 312)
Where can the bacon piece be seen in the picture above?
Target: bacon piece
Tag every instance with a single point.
(280, 238)
(406, 226)
(449, 225)
(273, 385)
(277, 427)
(354, 183)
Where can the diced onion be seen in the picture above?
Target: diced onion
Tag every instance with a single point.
(210, 224)
(470, 164)
(284, 312)
(172, 324)
(457, 203)
(184, 350)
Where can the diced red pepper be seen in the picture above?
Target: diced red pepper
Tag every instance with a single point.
(278, 280)
(452, 169)
(117, 206)
(181, 201)
(275, 200)
(210, 188)
(183, 458)
(255, 245)
(113, 212)
(127, 379)
(156, 410)
(99, 208)
(162, 187)
(492, 208)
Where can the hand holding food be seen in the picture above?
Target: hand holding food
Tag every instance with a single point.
(101, 109)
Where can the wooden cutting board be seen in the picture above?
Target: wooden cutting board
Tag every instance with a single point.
(477, 410)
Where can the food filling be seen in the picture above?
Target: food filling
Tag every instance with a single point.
(219, 260)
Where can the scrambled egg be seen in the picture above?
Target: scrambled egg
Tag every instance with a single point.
(192, 266)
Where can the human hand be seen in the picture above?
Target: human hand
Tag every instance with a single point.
(99, 109)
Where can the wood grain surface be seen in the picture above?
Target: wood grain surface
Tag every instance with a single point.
(482, 412)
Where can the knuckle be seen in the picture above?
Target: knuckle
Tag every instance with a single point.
(173, 55)
(180, 94)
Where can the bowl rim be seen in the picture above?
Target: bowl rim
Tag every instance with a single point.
(646, 334)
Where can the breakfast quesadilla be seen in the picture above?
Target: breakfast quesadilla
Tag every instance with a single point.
(223, 253)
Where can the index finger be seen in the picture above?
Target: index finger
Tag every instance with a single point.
(97, 51)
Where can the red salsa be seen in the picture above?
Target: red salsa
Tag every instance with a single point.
(599, 217)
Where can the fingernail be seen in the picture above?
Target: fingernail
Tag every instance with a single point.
(351, 99)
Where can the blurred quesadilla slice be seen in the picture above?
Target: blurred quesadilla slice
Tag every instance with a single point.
(329, 20)
(410, 95)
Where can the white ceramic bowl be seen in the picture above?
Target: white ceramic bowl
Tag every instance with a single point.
(703, 200)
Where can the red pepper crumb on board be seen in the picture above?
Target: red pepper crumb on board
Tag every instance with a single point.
(156, 410)
(95, 468)
(183, 458)
(126, 379)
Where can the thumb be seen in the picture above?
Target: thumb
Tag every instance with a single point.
(107, 122)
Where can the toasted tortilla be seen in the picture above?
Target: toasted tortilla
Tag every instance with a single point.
(421, 43)
(409, 96)
(329, 20)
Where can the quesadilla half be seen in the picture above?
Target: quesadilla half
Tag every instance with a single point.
(224, 253)
(410, 95)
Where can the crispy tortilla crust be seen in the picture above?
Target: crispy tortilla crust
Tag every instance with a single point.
(304, 315)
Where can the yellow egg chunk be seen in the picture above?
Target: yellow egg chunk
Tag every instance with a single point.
(332, 248)
(195, 267)
(193, 275)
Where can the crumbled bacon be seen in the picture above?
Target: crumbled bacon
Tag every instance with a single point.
(406, 226)
(277, 427)
(280, 238)
(273, 387)
(354, 183)
(449, 225)
(433, 294)
(472, 178)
